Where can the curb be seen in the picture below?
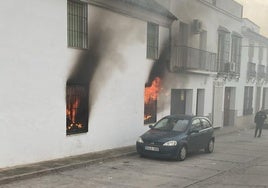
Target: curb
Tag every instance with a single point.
(37, 169)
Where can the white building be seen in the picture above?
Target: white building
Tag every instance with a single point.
(84, 76)
(84, 62)
(212, 34)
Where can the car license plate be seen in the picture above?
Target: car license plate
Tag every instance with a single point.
(150, 148)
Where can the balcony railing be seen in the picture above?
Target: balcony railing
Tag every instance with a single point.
(251, 70)
(187, 58)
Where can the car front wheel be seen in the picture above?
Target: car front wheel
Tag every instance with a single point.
(182, 153)
(210, 146)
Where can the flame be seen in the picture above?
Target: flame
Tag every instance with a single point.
(150, 98)
(151, 93)
(146, 117)
(71, 110)
(74, 95)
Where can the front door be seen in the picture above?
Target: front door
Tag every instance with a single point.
(178, 101)
(227, 99)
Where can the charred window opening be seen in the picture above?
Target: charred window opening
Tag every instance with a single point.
(76, 108)
(150, 100)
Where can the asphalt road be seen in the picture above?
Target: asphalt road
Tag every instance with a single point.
(239, 161)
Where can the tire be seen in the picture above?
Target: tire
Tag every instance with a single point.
(210, 146)
(182, 154)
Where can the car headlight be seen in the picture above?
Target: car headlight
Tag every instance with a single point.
(140, 140)
(170, 143)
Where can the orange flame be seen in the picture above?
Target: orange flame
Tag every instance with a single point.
(151, 93)
(72, 111)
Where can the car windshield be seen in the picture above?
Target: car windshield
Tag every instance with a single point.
(172, 124)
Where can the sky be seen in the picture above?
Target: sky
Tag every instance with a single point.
(256, 11)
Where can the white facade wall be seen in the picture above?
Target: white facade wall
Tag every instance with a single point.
(211, 17)
(35, 65)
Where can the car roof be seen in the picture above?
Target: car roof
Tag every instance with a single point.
(185, 116)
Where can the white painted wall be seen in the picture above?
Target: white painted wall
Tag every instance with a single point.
(32, 79)
(35, 64)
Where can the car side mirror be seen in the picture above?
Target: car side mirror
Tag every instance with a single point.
(151, 126)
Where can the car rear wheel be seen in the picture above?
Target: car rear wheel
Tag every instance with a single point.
(210, 146)
(182, 153)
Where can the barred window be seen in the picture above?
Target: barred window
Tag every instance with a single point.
(223, 48)
(236, 52)
(77, 24)
(251, 51)
(152, 40)
(260, 54)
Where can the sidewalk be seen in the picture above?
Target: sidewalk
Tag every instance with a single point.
(33, 170)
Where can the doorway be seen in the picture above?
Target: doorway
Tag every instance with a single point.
(229, 106)
(181, 101)
(200, 102)
(178, 101)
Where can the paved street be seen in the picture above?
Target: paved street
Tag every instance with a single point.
(239, 161)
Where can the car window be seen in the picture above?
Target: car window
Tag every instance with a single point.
(205, 124)
(172, 124)
(162, 124)
(196, 125)
(181, 125)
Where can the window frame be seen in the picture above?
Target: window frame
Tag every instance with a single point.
(77, 24)
(236, 51)
(208, 124)
(224, 42)
(196, 128)
(152, 40)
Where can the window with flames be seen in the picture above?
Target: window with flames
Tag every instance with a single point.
(76, 109)
(150, 101)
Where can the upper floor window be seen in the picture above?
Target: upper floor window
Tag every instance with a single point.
(260, 54)
(223, 47)
(251, 51)
(152, 40)
(183, 34)
(236, 49)
(266, 56)
(77, 24)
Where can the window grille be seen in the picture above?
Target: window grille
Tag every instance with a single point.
(236, 52)
(223, 49)
(152, 40)
(77, 24)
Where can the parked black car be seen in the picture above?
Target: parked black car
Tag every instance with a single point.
(176, 135)
(265, 125)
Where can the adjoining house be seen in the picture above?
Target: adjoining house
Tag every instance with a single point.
(215, 54)
(91, 75)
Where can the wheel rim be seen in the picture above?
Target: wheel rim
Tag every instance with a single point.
(211, 146)
(183, 153)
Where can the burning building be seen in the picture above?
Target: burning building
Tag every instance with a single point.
(93, 74)
(75, 85)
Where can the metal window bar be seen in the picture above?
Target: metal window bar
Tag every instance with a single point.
(152, 40)
(77, 24)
